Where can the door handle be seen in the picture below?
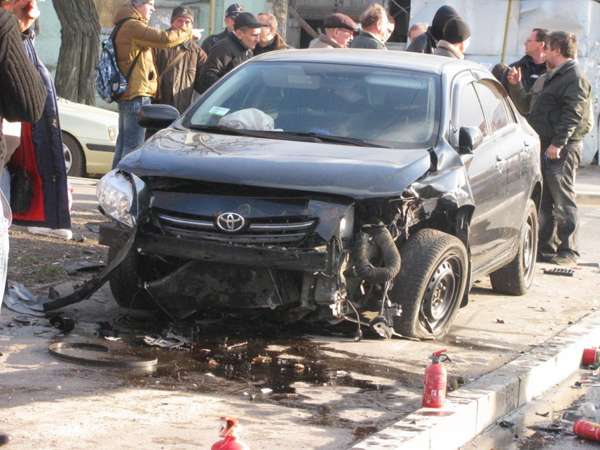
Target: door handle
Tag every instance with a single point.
(500, 163)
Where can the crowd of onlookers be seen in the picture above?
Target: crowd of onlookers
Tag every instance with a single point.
(172, 67)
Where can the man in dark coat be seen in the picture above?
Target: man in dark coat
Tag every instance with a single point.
(22, 98)
(427, 42)
(533, 64)
(270, 39)
(231, 51)
(179, 67)
(41, 152)
(231, 13)
(374, 29)
(559, 111)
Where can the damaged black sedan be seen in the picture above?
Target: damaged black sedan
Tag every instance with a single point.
(365, 186)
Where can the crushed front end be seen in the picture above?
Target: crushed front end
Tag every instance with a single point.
(201, 247)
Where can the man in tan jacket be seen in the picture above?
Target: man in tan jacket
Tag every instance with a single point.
(134, 41)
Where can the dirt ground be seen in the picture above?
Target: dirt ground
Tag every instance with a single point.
(38, 261)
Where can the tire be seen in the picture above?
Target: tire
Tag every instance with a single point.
(434, 265)
(516, 277)
(74, 159)
(125, 283)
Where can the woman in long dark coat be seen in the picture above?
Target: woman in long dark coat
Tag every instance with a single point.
(41, 155)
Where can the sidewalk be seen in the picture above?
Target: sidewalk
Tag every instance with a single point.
(587, 185)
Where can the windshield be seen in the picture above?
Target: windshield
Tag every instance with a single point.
(375, 106)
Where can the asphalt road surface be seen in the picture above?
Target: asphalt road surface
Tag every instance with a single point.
(301, 386)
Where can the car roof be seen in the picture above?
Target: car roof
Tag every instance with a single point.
(363, 57)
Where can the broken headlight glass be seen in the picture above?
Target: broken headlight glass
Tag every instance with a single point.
(116, 195)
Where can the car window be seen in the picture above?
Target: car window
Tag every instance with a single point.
(392, 107)
(469, 110)
(494, 105)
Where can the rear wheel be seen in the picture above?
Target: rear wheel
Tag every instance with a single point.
(430, 285)
(516, 277)
(74, 159)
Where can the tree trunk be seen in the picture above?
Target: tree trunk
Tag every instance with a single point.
(79, 50)
(280, 11)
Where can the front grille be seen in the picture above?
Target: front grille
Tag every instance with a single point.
(286, 230)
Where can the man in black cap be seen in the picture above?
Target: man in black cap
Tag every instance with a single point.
(427, 42)
(231, 13)
(455, 39)
(339, 30)
(231, 51)
(178, 67)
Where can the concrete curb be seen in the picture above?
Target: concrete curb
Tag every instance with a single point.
(473, 408)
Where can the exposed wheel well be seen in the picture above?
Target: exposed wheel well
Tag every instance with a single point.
(536, 195)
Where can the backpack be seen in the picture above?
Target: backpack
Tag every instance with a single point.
(110, 81)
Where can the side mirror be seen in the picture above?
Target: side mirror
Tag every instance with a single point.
(157, 117)
(469, 139)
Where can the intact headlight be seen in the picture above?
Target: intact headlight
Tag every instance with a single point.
(116, 195)
(112, 134)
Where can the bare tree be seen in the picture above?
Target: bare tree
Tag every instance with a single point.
(280, 11)
(79, 49)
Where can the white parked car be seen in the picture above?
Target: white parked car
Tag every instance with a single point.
(89, 137)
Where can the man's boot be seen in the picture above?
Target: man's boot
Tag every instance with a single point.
(4, 438)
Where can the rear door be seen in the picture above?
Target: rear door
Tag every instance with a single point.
(487, 176)
(509, 145)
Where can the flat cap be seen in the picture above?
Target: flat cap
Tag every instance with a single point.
(246, 20)
(339, 20)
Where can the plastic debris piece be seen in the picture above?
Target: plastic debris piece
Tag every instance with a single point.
(560, 271)
(17, 298)
(64, 324)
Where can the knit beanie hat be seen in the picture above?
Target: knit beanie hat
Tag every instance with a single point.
(456, 31)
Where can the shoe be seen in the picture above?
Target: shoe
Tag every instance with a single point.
(4, 438)
(62, 233)
(564, 260)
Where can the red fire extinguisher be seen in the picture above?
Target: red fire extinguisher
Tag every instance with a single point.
(587, 430)
(228, 432)
(435, 381)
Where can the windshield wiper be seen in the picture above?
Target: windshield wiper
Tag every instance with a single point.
(271, 134)
(224, 130)
(334, 139)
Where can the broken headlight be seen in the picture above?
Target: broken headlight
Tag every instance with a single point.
(347, 224)
(116, 195)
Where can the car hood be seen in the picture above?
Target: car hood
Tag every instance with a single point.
(89, 113)
(356, 172)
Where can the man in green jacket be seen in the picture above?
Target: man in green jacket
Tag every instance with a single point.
(559, 111)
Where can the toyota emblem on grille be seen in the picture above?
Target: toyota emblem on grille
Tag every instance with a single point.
(230, 222)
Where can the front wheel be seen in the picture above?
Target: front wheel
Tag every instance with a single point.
(126, 283)
(74, 159)
(430, 285)
(516, 277)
